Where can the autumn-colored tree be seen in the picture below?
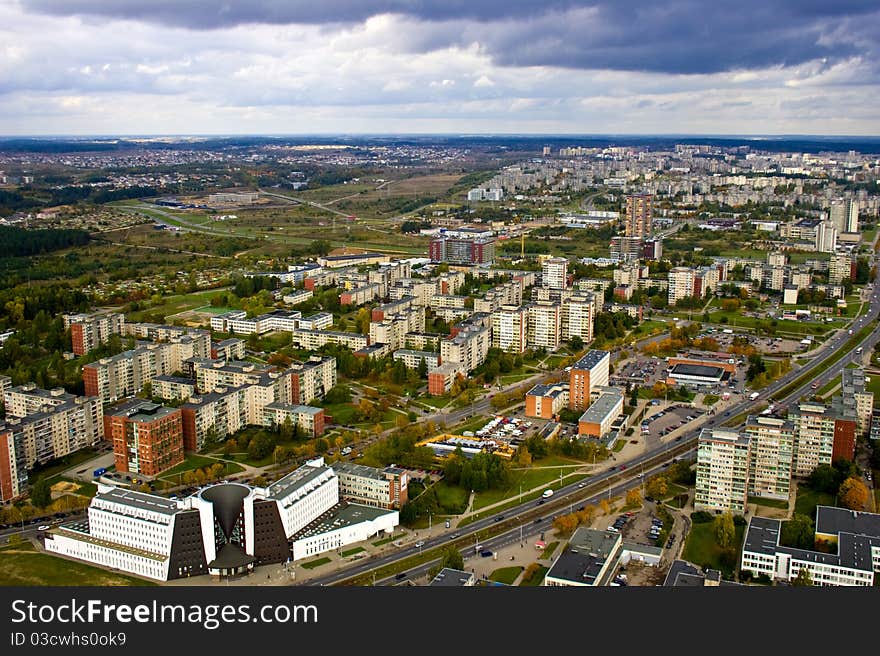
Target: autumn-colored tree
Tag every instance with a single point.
(523, 457)
(853, 494)
(565, 524)
(725, 531)
(586, 515)
(657, 486)
(803, 577)
(633, 497)
(188, 478)
(658, 389)
(605, 505)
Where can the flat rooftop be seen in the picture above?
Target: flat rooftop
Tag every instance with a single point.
(140, 500)
(578, 566)
(296, 478)
(452, 578)
(602, 407)
(762, 536)
(702, 370)
(339, 516)
(590, 360)
(358, 470)
(832, 521)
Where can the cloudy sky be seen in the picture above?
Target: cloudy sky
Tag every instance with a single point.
(442, 66)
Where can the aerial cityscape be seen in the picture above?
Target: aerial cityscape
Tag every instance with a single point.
(461, 308)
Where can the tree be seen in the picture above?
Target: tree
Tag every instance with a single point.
(825, 478)
(633, 497)
(657, 486)
(803, 577)
(586, 515)
(565, 524)
(853, 494)
(285, 429)
(605, 505)
(798, 532)
(451, 558)
(41, 493)
(523, 457)
(422, 369)
(725, 531)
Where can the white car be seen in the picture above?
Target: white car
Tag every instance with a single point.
(420, 543)
(44, 527)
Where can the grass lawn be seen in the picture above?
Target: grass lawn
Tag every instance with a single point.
(434, 401)
(195, 461)
(873, 385)
(506, 575)
(177, 303)
(379, 543)
(701, 548)
(473, 425)
(537, 578)
(351, 552)
(516, 378)
(24, 565)
(549, 549)
(316, 563)
(453, 499)
(618, 446)
(530, 478)
(343, 414)
(807, 500)
(770, 503)
(54, 468)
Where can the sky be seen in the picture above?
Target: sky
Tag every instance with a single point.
(750, 67)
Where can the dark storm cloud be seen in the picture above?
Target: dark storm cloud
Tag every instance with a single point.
(677, 36)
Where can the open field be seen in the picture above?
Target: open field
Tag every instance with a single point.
(702, 549)
(543, 472)
(24, 565)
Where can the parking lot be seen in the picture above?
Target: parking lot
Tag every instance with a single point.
(767, 345)
(640, 371)
(665, 421)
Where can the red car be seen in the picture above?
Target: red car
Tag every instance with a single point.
(623, 467)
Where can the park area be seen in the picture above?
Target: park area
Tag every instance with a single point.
(22, 564)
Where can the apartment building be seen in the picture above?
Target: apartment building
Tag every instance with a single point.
(125, 374)
(172, 388)
(639, 215)
(312, 379)
(856, 398)
(588, 373)
(544, 325)
(578, 316)
(228, 349)
(440, 379)
(681, 284)
(147, 437)
(841, 268)
(308, 420)
(469, 347)
(317, 321)
(361, 295)
(314, 339)
(379, 488)
(554, 273)
(771, 453)
(722, 471)
(297, 296)
(89, 331)
(413, 359)
(510, 328)
(821, 435)
(844, 214)
(217, 414)
(463, 247)
(42, 425)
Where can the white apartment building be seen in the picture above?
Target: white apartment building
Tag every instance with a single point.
(315, 339)
(578, 314)
(412, 359)
(681, 283)
(771, 453)
(554, 273)
(510, 328)
(468, 348)
(722, 471)
(544, 325)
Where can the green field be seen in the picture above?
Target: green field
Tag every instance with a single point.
(351, 552)
(807, 500)
(701, 548)
(549, 549)
(453, 499)
(175, 304)
(873, 385)
(54, 468)
(24, 565)
(315, 563)
(769, 503)
(506, 575)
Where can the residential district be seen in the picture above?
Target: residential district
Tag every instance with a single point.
(590, 366)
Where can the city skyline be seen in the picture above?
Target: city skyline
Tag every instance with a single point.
(87, 67)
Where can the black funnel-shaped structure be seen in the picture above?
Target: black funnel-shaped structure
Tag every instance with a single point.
(227, 499)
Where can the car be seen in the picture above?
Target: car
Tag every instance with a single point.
(580, 485)
(420, 543)
(538, 520)
(612, 529)
(486, 553)
(622, 467)
(43, 527)
(453, 536)
(499, 518)
(400, 576)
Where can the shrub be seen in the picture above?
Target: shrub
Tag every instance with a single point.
(701, 517)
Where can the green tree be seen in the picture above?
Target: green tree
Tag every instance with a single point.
(725, 532)
(798, 532)
(423, 369)
(41, 493)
